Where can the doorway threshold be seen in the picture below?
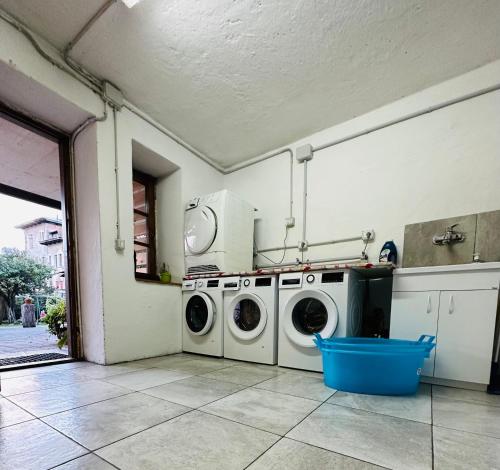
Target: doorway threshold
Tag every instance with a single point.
(33, 360)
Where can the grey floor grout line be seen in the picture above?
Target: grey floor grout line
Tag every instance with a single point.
(85, 455)
(466, 432)
(379, 414)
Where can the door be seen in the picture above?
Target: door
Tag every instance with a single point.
(246, 317)
(309, 312)
(466, 329)
(414, 314)
(199, 314)
(200, 229)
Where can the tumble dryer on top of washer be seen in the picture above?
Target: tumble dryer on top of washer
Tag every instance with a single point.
(251, 320)
(310, 302)
(218, 234)
(203, 322)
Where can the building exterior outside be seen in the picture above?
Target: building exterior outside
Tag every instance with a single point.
(43, 241)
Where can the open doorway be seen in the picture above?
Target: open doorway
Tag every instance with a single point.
(37, 308)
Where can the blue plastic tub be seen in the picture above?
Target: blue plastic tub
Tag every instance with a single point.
(374, 366)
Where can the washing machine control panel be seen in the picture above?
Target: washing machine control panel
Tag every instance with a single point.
(246, 282)
(188, 285)
(310, 278)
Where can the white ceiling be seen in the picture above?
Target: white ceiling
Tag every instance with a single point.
(236, 79)
(29, 161)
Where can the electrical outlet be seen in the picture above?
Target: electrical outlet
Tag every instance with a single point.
(368, 235)
(290, 222)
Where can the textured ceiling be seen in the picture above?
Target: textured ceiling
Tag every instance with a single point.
(236, 79)
(29, 161)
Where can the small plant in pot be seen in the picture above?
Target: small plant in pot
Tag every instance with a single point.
(165, 275)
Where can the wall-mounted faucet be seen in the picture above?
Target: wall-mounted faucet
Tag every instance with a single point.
(449, 236)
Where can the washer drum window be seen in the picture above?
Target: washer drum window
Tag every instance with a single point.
(308, 312)
(199, 314)
(246, 316)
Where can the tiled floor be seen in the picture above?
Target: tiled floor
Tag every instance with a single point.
(192, 412)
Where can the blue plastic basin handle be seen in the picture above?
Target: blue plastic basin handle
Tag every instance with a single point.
(430, 339)
(319, 339)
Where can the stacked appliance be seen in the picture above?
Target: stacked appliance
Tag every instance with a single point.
(310, 302)
(218, 234)
(251, 320)
(203, 322)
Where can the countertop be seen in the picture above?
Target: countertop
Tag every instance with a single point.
(450, 268)
(370, 267)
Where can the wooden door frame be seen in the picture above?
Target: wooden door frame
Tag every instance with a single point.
(66, 205)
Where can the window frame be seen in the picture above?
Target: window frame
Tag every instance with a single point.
(149, 183)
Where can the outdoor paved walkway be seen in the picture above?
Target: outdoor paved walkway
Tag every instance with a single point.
(19, 341)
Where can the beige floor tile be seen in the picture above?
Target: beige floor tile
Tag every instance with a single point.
(467, 416)
(415, 407)
(262, 409)
(293, 455)
(35, 446)
(87, 462)
(105, 422)
(382, 440)
(304, 386)
(142, 379)
(11, 414)
(194, 391)
(43, 403)
(460, 450)
(195, 441)
(244, 375)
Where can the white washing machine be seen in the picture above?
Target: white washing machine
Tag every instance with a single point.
(203, 322)
(218, 234)
(310, 302)
(251, 320)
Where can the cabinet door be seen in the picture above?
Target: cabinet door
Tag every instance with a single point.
(466, 330)
(414, 314)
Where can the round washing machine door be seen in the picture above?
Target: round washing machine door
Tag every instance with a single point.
(200, 229)
(199, 314)
(309, 312)
(246, 316)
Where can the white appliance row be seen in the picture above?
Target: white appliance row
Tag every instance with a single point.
(265, 318)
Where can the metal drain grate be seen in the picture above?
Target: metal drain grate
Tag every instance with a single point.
(14, 361)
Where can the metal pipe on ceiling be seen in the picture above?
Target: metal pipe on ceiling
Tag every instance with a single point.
(86, 27)
(409, 116)
(16, 24)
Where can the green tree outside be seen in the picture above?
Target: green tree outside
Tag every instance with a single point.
(21, 275)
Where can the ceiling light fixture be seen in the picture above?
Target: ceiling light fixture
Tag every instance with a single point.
(131, 3)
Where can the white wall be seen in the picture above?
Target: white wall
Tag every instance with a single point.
(441, 164)
(89, 246)
(122, 319)
(144, 319)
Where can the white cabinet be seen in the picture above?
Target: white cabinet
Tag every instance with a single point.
(465, 335)
(459, 307)
(414, 314)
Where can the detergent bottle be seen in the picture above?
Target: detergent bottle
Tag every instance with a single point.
(388, 253)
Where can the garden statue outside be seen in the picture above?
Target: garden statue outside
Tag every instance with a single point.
(28, 313)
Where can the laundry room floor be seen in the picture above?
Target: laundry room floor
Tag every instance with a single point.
(191, 412)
